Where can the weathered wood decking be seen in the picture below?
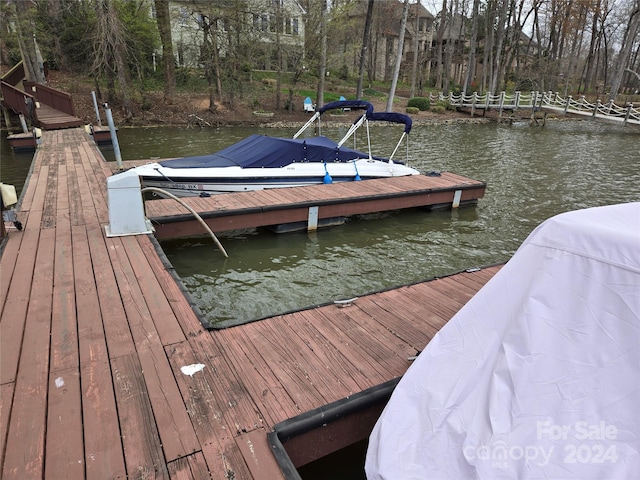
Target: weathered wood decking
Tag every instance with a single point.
(94, 332)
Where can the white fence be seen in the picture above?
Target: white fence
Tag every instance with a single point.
(543, 101)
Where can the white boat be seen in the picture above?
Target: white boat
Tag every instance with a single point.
(538, 375)
(259, 161)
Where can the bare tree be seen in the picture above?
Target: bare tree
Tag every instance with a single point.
(439, 44)
(366, 39)
(416, 43)
(396, 71)
(210, 59)
(473, 41)
(31, 57)
(497, 67)
(169, 70)
(110, 53)
(322, 68)
(624, 58)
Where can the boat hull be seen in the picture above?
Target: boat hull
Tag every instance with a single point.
(190, 182)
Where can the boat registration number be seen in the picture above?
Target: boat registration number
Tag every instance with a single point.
(190, 186)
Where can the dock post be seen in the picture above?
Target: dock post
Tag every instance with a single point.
(23, 122)
(595, 108)
(626, 117)
(95, 106)
(312, 222)
(114, 136)
(456, 199)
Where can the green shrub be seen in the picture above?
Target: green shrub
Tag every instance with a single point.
(412, 110)
(438, 109)
(445, 104)
(421, 103)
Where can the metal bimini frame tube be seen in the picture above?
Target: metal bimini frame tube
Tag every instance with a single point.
(398, 145)
(313, 118)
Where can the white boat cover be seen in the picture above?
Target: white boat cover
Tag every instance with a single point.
(538, 376)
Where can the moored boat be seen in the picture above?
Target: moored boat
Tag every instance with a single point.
(260, 162)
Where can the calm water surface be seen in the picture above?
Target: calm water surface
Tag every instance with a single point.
(532, 173)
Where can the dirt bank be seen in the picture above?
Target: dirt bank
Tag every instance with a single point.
(193, 109)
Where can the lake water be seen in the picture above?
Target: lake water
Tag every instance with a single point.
(532, 173)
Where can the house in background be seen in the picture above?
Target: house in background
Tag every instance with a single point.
(255, 26)
(385, 37)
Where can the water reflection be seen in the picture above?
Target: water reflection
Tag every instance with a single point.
(14, 167)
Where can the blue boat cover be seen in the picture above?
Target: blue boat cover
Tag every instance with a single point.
(258, 151)
(352, 104)
(392, 117)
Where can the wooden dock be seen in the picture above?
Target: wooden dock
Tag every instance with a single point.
(262, 208)
(95, 334)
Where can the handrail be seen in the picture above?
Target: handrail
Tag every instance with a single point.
(550, 101)
(57, 99)
(17, 100)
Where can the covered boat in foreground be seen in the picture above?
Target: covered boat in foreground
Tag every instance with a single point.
(538, 375)
(260, 161)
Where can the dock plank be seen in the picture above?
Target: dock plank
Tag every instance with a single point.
(49, 207)
(330, 358)
(140, 438)
(292, 367)
(275, 402)
(64, 443)
(289, 363)
(370, 336)
(14, 312)
(363, 369)
(8, 262)
(257, 452)
(24, 455)
(64, 327)
(6, 403)
(176, 431)
(218, 406)
(191, 467)
(405, 317)
(159, 309)
(104, 457)
(186, 317)
(117, 330)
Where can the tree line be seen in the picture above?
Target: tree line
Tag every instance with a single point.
(569, 46)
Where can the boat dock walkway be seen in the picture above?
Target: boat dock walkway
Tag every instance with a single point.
(293, 205)
(107, 372)
(546, 102)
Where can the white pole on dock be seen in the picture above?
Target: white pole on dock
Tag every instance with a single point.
(114, 137)
(95, 105)
(23, 123)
